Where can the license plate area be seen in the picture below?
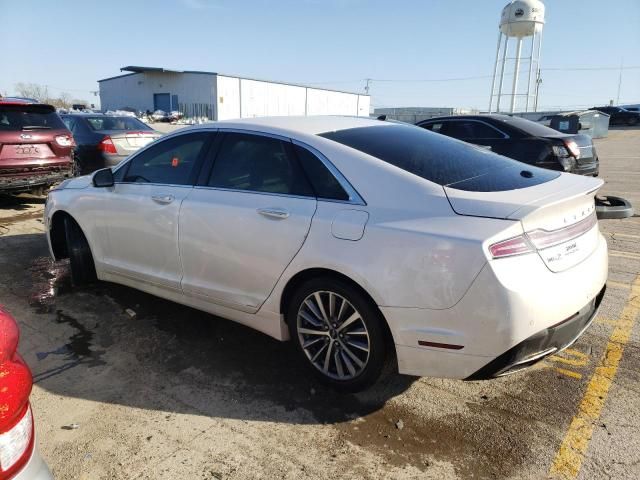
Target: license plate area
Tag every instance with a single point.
(26, 150)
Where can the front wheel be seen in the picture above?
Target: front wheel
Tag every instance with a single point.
(83, 270)
(338, 333)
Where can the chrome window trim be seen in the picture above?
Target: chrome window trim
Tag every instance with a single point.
(255, 192)
(354, 196)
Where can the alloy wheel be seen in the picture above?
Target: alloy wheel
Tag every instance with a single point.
(333, 335)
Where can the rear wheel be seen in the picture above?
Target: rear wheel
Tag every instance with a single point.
(338, 333)
(83, 270)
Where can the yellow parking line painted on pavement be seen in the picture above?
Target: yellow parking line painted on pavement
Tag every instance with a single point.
(624, 286)
(579, 359)
(616, 253)
(568, 460)
(568, 373)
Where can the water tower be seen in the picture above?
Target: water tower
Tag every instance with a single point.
(520, 20)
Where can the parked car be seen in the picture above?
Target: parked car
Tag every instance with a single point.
(620, 116)
(36, 149)
(523, 140)
(19, 458)
(105, 140)
(361, 240)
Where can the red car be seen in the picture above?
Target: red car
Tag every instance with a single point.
(36, 148)
(19, 459)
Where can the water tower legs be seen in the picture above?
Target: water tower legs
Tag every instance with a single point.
(516, 72)
(504, 61)
(495, 72)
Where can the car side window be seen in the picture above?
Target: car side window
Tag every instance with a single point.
(471, 130)
(434, 127)
(71, 124)
(323, 181)
(171, 161)
(259, 164)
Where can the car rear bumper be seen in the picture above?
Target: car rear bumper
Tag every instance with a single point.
(35, 469)
(15, 183)
(542, 344)
(515, 309)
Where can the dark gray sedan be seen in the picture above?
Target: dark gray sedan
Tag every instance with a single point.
(105, 140)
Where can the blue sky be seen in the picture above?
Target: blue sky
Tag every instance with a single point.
(69, 44)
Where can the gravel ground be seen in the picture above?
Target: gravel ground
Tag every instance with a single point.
(164, 391)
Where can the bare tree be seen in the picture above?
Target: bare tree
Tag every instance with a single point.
(33, 90)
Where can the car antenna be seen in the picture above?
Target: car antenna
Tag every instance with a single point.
(382, 117)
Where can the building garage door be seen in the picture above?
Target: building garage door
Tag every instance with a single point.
(162, 101)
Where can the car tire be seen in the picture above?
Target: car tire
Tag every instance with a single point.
(632, 121)
(83, 270)
(610, 208)
(357, 349)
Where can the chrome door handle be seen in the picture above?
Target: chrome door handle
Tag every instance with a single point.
(276, 213)
(163, 199)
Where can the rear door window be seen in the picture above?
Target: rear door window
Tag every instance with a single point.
(172, 161)
(260, 164)
(324, 183)
(441, 160)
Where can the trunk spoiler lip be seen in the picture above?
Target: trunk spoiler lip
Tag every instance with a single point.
(513, 208)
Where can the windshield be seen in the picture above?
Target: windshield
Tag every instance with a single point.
(29, 117)
(441, 159)
(117, 123)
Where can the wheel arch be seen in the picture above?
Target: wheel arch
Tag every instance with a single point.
(57, 234)
(302, 276)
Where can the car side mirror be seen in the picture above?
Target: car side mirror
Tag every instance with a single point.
(103, 178)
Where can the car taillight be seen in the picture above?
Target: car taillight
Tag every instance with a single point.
(544, 238)
(107, 146)
(65, 141)
(513, 246)
(16, 445)
(540, 239)
(564, 156)
(573, 148)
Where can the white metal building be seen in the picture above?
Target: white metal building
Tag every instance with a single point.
(221, 97)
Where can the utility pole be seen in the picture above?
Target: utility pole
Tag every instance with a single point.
(366, 87)
(620, 81)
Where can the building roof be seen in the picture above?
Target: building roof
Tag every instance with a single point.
(137, 69)
(134, 70)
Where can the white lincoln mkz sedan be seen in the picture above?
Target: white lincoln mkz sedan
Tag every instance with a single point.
(364, 242)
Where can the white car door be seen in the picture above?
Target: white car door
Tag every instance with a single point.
(141, 211)
(243, 226)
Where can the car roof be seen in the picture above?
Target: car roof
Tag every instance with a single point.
(484, 116)
(310, 125)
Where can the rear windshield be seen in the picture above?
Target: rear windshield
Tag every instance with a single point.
(29, 117)
(116, 123)
(532, 128)
(440, 159)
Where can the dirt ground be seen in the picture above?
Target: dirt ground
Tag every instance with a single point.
(164, 391)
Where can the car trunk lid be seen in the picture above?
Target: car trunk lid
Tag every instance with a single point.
(128, 142)
(558, 216)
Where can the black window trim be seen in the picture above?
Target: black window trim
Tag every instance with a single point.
(445, 120)
(197, 168)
